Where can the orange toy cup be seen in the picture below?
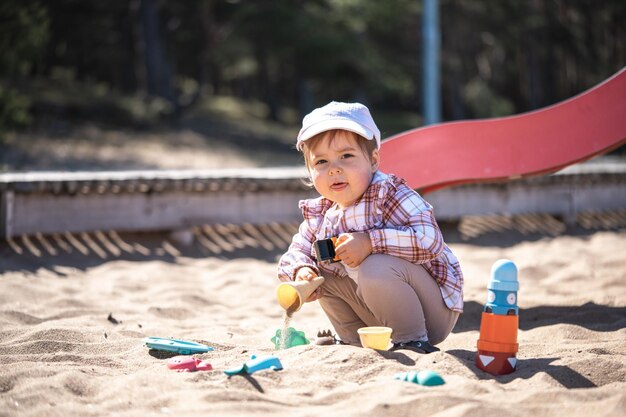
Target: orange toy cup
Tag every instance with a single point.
(497, 344)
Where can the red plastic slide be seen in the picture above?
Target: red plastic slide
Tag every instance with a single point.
(538, 142)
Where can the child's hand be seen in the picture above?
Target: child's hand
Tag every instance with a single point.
(353, 248)
(307, 274)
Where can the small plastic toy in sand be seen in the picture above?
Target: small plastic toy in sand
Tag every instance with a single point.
(294, 338)
(182, 347)
(256, 364)
(325, 337)
(426, 378)
(188, 364)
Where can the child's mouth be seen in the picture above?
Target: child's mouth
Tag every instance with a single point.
(338, 186)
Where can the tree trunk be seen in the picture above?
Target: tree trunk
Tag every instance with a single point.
(158, 73)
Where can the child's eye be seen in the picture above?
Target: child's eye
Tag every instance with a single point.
(347, 155)
(320, 162)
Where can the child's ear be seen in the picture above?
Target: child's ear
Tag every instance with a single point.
(375, 159)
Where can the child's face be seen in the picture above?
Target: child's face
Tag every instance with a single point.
(339, 168)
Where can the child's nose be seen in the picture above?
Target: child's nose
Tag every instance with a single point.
(334, 169)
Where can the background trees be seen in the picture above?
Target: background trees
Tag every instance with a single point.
(498, 58)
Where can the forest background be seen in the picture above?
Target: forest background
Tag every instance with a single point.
(135, 77)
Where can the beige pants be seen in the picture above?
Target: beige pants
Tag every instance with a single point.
(390, 292)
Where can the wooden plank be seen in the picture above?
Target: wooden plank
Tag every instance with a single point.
(565, 199)
(49, 213)
(45, 209)
(24, 182)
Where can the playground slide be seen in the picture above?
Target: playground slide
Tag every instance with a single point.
(533, 143)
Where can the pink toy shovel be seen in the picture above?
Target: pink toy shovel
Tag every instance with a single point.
(188, 364)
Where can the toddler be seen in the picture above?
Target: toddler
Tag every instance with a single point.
(395, 269)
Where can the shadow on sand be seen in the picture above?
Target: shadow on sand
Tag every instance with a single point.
(527, 368)
(591, 316)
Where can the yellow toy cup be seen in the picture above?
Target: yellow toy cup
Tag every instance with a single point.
(292, 294)
(375, 337)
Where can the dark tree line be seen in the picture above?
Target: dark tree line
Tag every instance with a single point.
(497, 57)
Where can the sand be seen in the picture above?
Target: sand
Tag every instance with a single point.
(71, 330)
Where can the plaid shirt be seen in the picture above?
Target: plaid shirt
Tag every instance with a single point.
(399, 222)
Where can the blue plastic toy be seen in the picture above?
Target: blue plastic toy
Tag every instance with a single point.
(502, 289)
(426, 378)
(256, 364)
(182, 347)
(294, 338)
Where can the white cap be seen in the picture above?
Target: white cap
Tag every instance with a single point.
(353, 117)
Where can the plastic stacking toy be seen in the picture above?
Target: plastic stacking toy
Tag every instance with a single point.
(376, 337)
(426, 378)
(497, 344)
(256, 364)
(182, 347)
(292, 294)
(294, 338)
(188, 364)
